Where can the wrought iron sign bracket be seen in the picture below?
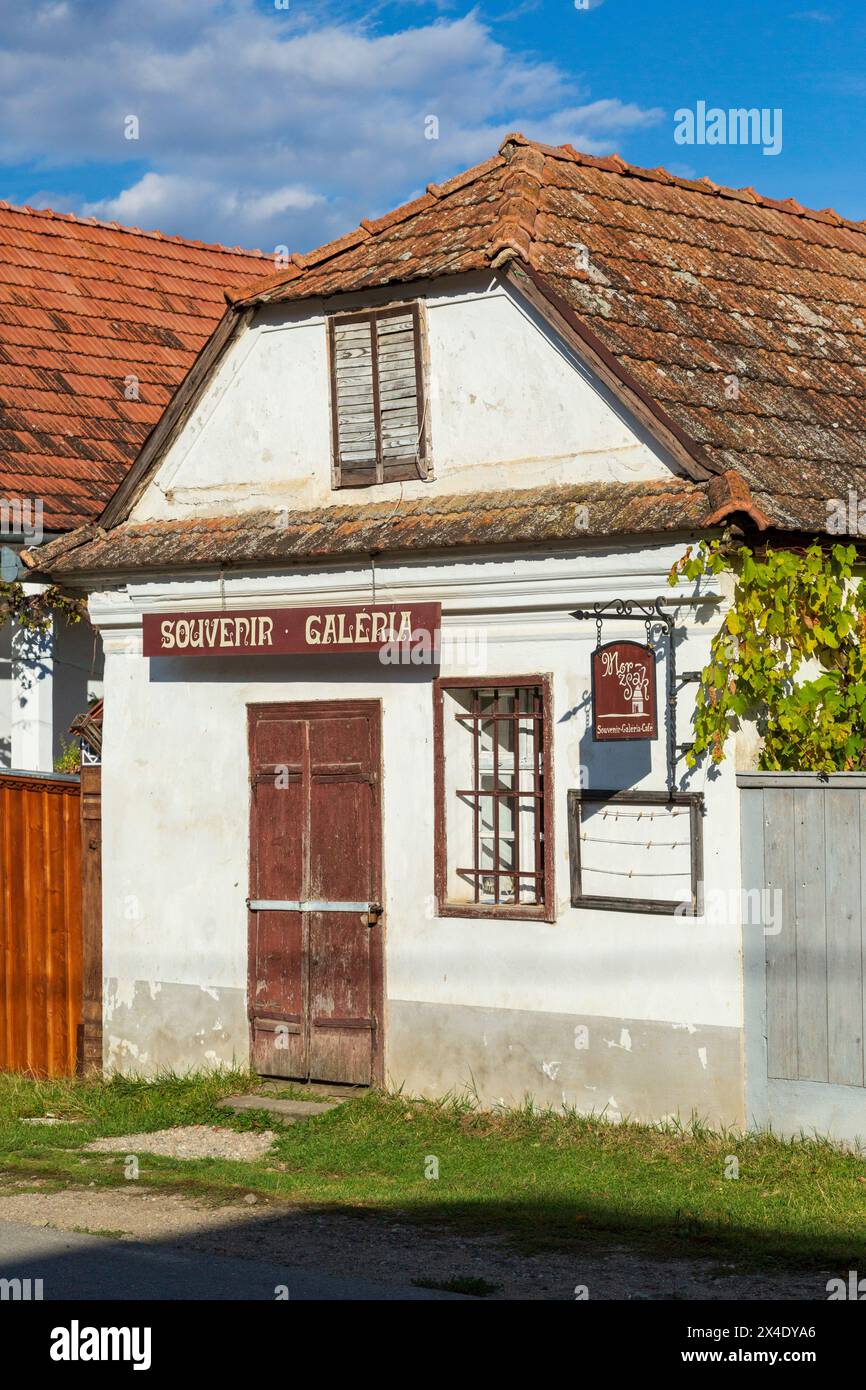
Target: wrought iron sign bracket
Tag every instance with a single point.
(653, 611)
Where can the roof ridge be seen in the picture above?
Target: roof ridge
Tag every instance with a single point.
(261, 290)
(154, 234)
(513, 230)
(615, 164)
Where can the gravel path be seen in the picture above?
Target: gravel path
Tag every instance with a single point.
(381, 1249)
(189, 1141)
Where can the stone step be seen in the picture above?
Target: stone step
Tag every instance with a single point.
(326, 1089)
(289, 1111)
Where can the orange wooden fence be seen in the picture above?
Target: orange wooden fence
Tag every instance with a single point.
(40, 924)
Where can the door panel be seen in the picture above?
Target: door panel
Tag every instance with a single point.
(341, 812)
(278, 997)
(315, 974)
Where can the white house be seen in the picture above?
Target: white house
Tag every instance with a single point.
(364, 821)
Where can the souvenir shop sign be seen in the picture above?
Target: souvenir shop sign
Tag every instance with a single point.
(289, 631)
(624, 692)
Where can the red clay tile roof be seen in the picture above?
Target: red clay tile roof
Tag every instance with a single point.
(529, 516)
(84, 305)
(742, 316)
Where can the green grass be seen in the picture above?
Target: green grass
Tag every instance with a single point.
(543, 1180)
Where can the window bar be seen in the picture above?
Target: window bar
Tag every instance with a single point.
(476, 799)
(504, 792)
(496, 854)
(515, 800)
(497, 716)
(538, 800)
(503, 873)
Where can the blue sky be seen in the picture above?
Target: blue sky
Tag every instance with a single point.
(267, 126)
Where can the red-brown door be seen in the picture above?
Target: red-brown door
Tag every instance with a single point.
(315, 927)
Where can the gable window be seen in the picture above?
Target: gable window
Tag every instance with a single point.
(377, 397)
(493, 822)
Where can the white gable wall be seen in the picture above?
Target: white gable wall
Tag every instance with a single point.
(509, 406)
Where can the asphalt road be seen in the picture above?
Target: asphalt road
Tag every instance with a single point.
(76, 1266)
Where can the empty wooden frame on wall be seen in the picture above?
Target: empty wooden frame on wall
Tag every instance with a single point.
(652, 862)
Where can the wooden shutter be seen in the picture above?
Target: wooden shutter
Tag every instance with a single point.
(398, 394)
(377, 398)
(354, 402)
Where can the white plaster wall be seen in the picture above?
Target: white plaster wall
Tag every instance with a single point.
(508, 405)
(176, 803)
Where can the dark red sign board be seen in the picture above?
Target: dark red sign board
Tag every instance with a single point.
(290, 631)
(624, 692)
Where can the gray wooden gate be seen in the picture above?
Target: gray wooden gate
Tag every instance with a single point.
(804, 934)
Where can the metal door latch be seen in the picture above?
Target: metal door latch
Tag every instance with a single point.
(371, 912)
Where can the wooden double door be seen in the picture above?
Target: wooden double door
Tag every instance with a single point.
(315, 918)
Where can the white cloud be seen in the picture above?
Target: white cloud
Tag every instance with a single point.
(164, 200)
(272, 128)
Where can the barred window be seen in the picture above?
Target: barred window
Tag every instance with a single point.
(377, 397)
(493, 782)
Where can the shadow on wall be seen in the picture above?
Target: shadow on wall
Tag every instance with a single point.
(359, 669)
(78, 668)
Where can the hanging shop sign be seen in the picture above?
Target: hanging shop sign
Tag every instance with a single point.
(624, 692)
(291, 631)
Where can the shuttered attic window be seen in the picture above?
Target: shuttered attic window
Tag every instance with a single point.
(377, 397)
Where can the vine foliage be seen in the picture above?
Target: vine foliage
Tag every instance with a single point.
(34, 612)
(790, 655)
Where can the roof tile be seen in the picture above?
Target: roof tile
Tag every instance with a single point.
(513, 517)
(83, 305)
(690, 285)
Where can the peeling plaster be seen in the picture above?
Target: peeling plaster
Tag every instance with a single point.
(167, 1025)
(119, 994)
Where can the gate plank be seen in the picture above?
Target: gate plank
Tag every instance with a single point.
(40, 924)
(754, 959)
(781, 949)
(77, 944)
(16, 928)
(811, 934)
(844, 938)
(89, 832)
